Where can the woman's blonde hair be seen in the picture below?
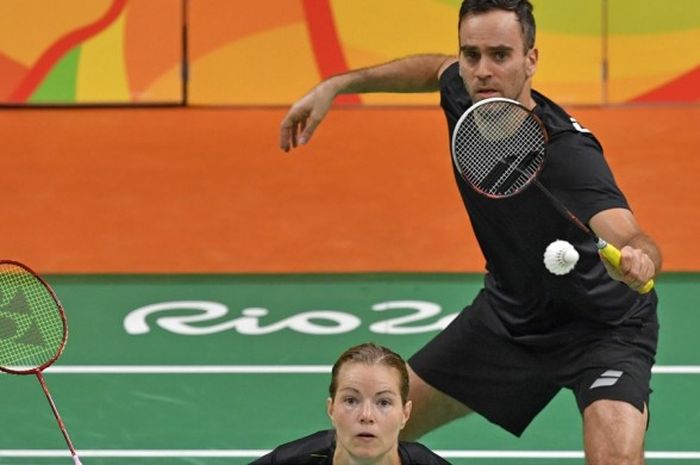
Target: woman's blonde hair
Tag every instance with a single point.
(370, 353)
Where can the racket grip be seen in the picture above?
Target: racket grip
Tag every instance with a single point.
(613, 256)
(76, 460)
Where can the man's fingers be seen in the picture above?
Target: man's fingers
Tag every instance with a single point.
(636, 267)
(302, 130)
(286, 133)
(308, 129)
(289, 130)
(294, 132)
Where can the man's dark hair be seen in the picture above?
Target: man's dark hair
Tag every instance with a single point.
(521, 8)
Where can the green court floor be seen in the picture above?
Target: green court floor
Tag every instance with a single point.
(214, 369)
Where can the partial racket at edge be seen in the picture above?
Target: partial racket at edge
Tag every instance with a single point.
(33, 330)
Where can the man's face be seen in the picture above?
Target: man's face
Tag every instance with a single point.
(492, 58)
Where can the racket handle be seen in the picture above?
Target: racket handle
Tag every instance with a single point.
(76, 460)
(613, 256)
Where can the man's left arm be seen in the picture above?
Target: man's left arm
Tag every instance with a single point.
(640, 256)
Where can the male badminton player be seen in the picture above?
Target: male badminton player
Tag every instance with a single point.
(528, 333)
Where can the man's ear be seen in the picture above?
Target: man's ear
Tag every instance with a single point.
(531, 61)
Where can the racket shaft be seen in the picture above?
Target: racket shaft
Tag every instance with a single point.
(61, 425)
(613, 256)
(564, 211)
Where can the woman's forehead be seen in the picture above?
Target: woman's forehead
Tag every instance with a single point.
(354, 373)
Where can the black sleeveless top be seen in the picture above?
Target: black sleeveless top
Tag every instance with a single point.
(318, 449)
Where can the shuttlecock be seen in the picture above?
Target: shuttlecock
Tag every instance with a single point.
(560, 257)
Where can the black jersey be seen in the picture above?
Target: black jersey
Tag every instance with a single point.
(318, 449)
(528, 302)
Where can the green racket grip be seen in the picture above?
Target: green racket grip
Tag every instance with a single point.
(613, 256)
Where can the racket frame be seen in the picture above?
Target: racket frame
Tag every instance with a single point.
(62, 313)
(472, 109)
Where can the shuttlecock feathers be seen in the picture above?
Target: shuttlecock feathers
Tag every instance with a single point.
(560, 257)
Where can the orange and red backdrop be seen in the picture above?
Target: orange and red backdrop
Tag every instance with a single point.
(243, 53)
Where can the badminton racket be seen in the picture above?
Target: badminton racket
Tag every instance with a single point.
(33, 329)
(499, 147)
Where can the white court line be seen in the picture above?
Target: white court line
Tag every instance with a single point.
(187, 369)
(134, 453)
(676, 369)
(261, 369)
(254, 453)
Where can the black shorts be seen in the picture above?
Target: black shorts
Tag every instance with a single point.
(510, 383)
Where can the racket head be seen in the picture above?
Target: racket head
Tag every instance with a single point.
(499, 147)
(33, 326)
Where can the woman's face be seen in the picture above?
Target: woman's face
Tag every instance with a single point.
(368, 414)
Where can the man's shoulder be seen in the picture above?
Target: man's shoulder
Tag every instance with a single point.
(314, 449)
(451, 81)
(560, 124)
(454, 98)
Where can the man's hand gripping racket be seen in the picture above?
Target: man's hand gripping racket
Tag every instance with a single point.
(33, 329)
(499, 147)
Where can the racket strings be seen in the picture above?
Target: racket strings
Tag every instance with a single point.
(499, 148)
(32, 329)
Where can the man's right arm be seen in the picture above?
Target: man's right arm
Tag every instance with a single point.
(416, 73)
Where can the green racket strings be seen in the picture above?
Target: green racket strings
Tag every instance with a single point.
(32, 328)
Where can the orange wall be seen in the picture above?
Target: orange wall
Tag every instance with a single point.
(208, 190)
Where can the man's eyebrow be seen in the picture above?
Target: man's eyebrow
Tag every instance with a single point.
(495, 48)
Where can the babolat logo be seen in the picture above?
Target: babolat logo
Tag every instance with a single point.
(609, 378)
(204, 317)
(578, 126)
